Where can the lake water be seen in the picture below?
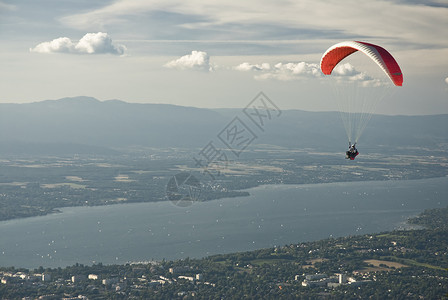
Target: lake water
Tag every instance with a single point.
(272, 215)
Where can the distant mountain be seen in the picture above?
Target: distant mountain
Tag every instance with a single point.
(86, 125)
(115, 124)
(325, 131)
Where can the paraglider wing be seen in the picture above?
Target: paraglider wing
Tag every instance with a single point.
(357, 96)
(379, 55)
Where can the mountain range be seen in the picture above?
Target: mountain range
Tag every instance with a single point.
(87, 125)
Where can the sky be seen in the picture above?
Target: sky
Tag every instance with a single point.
(216, 54)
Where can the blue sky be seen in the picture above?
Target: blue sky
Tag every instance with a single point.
(215, 53)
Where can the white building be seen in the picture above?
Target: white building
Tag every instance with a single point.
(93, 277)
(186, 277)
(342, 278)
(312, 283)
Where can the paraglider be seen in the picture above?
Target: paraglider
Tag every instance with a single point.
(357, 93)
(352, 152)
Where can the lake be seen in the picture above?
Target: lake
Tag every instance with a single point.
(272, 215)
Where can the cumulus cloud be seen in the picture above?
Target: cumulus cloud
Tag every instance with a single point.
(249, 67)
(347, 72)
(91, 43)
(197, 60)
(282, 71)
(302, 70)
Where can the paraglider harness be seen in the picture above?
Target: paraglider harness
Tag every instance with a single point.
(352, 151)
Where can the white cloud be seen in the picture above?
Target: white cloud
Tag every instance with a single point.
(249, 67)
(303, 70)
(91, 43)
(99, 43)
(197, 60)
(61, 45)
(347, 72)
(282, 71)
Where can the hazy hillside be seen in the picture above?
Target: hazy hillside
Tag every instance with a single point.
(89, 122)
(83, 125)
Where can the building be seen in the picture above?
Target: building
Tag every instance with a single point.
(342, 278)
(321, 280)
(109, 281)
(93, 277)
(78, 278)
(48, 297)
(186, 277)
(154, 283)
(313, 283)
(46, 277)
(316, 276)
(333, 284)
(358, 283)
(177, 270)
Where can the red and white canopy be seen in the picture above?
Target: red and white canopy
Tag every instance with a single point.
(379, 55)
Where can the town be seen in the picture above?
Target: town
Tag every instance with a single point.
(99, 283)
(126, 285)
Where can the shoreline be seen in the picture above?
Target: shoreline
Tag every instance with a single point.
(57, 210)
(285, 214)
